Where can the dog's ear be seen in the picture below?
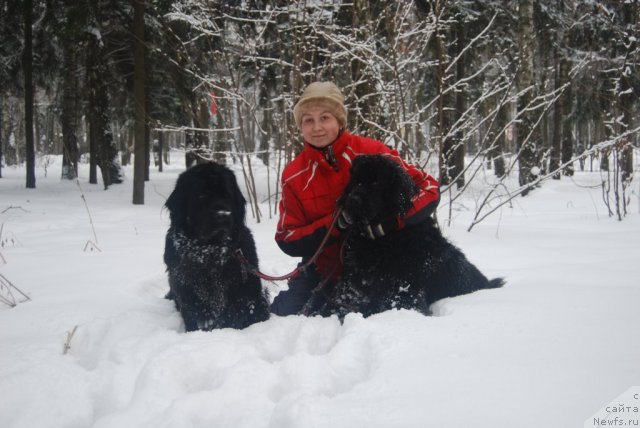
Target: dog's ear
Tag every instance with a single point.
(406, 189)
(241, 205)
(239, 202)
(356, 174)
(175, 199)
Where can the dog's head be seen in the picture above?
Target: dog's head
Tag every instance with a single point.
(206, 203)
(379, 189)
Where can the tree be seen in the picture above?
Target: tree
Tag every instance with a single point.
(10, 64)
(70, 94)
(139, 101)
(527, 133)
(1, 129)
(27, 69)
(563, 103)
(444, 82)
(98, 76)
(625, 91)
(628, 95)
(451, 106)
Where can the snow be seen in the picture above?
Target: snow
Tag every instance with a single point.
(550, 349)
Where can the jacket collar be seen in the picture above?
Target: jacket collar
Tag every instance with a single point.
(328, 156)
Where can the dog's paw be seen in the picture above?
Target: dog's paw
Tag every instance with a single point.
(194, 320)
(207, 324)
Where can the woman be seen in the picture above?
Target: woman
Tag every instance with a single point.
(312, 184)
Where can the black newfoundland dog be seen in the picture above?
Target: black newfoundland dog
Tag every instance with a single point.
(408, 268)
(208, 284)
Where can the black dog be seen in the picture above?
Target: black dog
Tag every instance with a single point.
(408, 268)
(208, 284)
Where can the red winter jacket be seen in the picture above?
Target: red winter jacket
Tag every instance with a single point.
(311, 186)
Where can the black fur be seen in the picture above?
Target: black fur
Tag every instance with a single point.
(408, 268)
(209, 286)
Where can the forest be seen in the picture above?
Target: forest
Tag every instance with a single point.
(496, 94)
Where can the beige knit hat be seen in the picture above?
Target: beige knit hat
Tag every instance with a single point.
(322, 94)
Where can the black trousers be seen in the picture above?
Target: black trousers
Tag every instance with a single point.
(291, 301)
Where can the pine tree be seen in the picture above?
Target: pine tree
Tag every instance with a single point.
(70, 95)
(27, 70)
(97, 77)
(139, 100)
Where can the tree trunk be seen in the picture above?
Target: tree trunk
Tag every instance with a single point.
(566, 97)
(147, 148)
(189, 145)
(37, 132)
(101, 136)
(68, 116)
(556, 139)
(567, 138)
(267, 89)
(202, 137)
(93, 150)
(167, 148)
(139, 101)
(108, 159)
(27, 68)
(627, 97)
(10, 153)
(600, 133)
(526, 135)
(459, 148)
(160, 151)
(106, 155)
(1, 129)
(442, 125)
(499, 164)
(219, 138)
(267, 136)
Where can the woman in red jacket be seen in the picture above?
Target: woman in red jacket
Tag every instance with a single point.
(313, 182)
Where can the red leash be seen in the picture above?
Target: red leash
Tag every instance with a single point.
(253, 270)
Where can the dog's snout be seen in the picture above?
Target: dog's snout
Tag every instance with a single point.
(223, 213)
(219, 212)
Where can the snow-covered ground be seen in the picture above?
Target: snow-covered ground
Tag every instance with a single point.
(550, 349)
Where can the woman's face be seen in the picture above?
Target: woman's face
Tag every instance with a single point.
(319, 127)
